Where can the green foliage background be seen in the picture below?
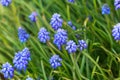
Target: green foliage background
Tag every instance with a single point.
(101, 61)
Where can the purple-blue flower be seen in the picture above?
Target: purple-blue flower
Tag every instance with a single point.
(105, 9)
(71, 25)
(116, 32)
(56, 21)
(82, 45)
(5, 2)
(26, 53)
(29, 78)
(21, 59)
(33, 16)
(23, 35)
(71, 46)
(72, 1)
(43, 35)
(55, 61)
(7, 70)
(117, 4)
(60, 38)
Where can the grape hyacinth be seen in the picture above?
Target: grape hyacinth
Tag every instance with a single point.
(105, 9)
(116, 32)
(29, 78)
(71, 25)
(23, 35)
(5, 2)
(82, 45)
(71, 46)
(72, 1)
(21, 59)
(56, 21)
(7, 70)
(60, 38)
(55, 61)
(33, 16)
(43, 35)
(26, 53)
(117, 4)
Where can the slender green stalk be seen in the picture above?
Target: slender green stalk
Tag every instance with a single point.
(73, 61)
(68, 12)
(43, 70)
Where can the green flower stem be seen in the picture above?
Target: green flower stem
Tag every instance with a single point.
(73, 61)
(43, 70)
(68, 12)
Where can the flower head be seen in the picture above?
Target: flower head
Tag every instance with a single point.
(23, 35)
(60, 38)
(82, 45)
(72, 1)
(56, 21)
(105, 9)
(29, 78)
(71, 46)
(117, 4)
(21, 59)
(116, 32)
(5, 2)
(7, 70)
(26, 53)
(55, 61)
(43, 35)
(33, 16)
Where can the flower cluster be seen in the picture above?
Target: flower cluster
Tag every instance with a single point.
(117, 4)
(71, 46)
(33, 16)
(23, 35)
(7, 70)
(105, 9)
(5, 2)
(72, 1)
(55, 61)
(43, 35)
(56, 21)
(60, 38)
(21, 59)
(71, 25)
(82, 45)
(116, 32)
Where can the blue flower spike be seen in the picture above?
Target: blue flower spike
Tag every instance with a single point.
(71, 46)
(33, 16)
(56, 22)
(7, 70)
(60, 38)
(43, 35)
(116, 32)
(82, 45)
(55, 61)
(23, 35)
(5, 2)
(105, 9)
